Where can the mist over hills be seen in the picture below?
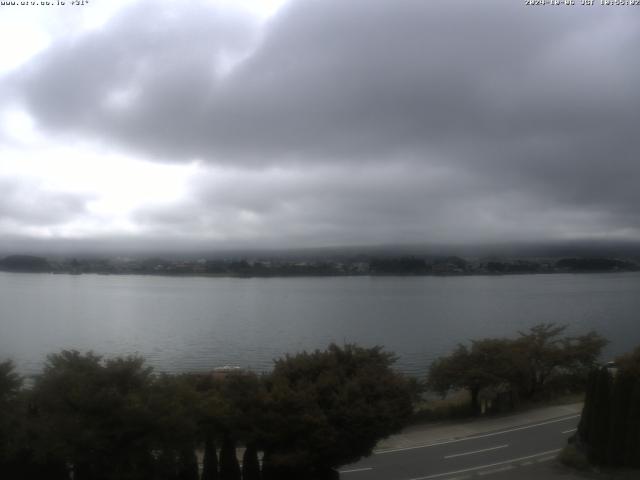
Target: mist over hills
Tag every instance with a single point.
(59, 249)
(339, 261)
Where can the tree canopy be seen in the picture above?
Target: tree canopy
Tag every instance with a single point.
(486, 363)
(90, 418)
(609, 429)
(524, 365)
(331, 407)
(10, 381)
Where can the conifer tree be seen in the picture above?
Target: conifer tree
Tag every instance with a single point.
(229, 467)
(609, 429)
(621, 396)
(188, 465)
(600, 426)
(166, 466)
(632, 441)
(587, 419)
(210, 460)
(250, 464)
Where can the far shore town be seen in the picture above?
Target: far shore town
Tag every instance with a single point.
(325, 266)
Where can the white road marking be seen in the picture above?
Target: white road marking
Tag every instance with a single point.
(571, 430)
(497, 470)
(482, 467)
(476, 451)
(354, 470)
(446, 442)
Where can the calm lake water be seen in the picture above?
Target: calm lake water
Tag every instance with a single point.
(196, 323)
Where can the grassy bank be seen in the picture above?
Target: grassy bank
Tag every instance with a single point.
(457, 406)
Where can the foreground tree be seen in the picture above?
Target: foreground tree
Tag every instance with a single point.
(210, 460)
(10, 425)
(173, 404)
(229, 466)
(94, 416)
(250, 463)
(488, 363)
(10, 381)
(188, 464)
(329, 408)
(609, 429)
(524, 366)
(233, 406)
(547, 354)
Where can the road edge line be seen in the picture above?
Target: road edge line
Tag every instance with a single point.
(474, 437)
(471, 469)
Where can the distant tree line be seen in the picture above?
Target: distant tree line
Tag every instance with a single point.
(24, 263)
(417, 266)
(609, 430)
(515, 267)
(595, 264)
(538, 363)
(261, 269)
(387, 265)
(88, 418)
(396, 266)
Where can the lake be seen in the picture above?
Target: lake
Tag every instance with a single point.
(197, 323)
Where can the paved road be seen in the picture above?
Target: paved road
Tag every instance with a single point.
(492, 454)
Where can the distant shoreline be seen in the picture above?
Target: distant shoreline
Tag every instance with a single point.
(333, 275)
(395, 266)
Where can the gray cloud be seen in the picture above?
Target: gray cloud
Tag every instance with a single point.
(163, 58)
(339, 79)
(24, 205)
(531, 112)
(369, 204)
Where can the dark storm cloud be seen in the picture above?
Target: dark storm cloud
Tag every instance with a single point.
(312, 207)
(165, 58)
(337, 79)
(533, 112)
(321, 206)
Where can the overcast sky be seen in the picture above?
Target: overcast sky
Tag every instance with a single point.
(267, 123)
